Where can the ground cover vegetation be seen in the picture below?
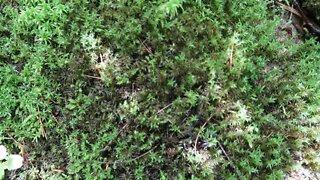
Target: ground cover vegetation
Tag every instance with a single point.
(166, 89)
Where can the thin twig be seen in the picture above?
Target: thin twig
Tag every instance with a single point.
(164, 108)
(123, 162)
(43, 130)
(146, 48)
(101, 58)
(231, 55)
(94, 77)
(55, 119)
(10, 137)
(196, 141)
(57, 170)
(223, 151)
(33, 166)
(228, 158)
(297, 136)
(110, 142)
(290, 15)
(142, 155)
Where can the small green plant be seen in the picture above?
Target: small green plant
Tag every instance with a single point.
(9, 161)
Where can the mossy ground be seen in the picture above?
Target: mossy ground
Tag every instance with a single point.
(155, 90)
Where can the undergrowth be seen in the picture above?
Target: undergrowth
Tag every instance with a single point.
(173, 89)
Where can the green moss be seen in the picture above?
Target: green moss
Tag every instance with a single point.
(162, 89)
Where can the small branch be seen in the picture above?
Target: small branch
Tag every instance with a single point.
(288, 8)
